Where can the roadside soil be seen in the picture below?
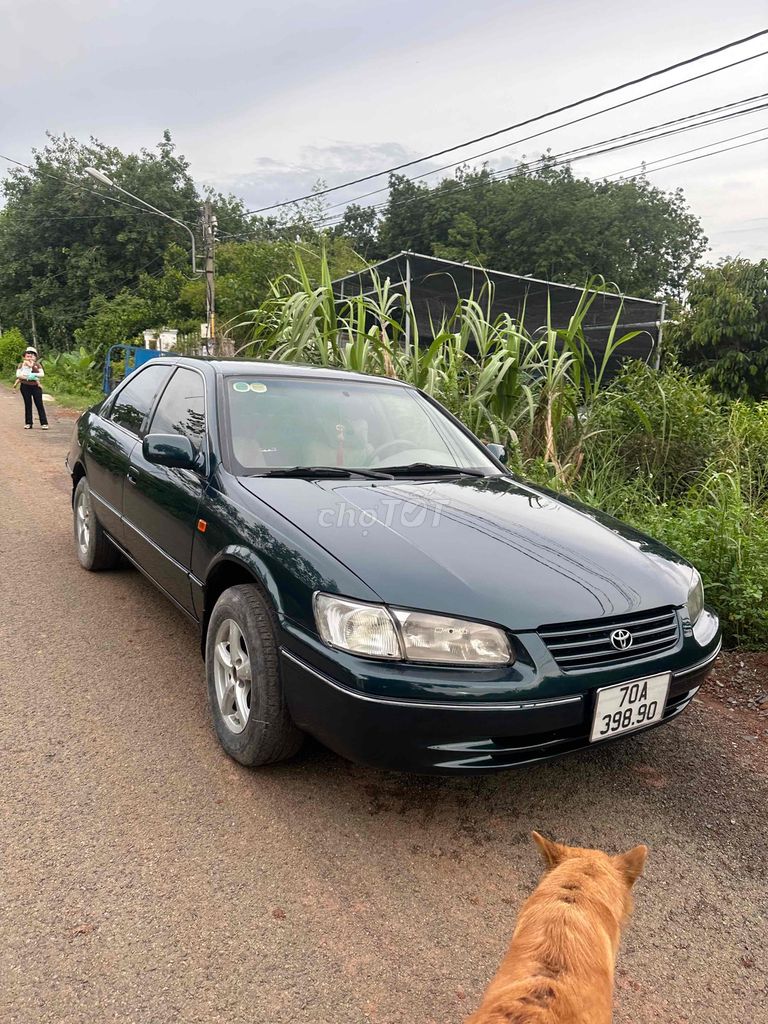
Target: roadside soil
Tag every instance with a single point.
(147, 878)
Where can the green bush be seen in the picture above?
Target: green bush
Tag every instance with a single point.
(12, 345)
(73, 374)
(113, 321)
(725, 535)
(694, 474)
(665, 427)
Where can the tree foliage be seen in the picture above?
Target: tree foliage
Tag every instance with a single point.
(245, 272)
(94, 271)
(550, 224)
(65, 243)
(359, 226)
(12, 345)
(723, 331)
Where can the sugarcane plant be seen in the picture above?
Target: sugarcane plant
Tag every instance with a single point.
(533, 391)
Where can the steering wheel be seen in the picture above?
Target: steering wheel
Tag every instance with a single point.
(400, 444)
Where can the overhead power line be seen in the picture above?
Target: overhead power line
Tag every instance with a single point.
(678, 120)
(703, 156)
(520, 124)
(604, 110)
(572, 156)
(584, 153)
(435, 196)
(695, 149)
(483, 182)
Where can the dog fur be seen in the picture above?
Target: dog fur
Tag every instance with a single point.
(560, 964)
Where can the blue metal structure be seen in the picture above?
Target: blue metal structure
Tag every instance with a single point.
(130, 356)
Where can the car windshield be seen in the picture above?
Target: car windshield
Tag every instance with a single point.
(289, 422)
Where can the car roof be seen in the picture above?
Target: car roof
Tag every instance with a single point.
(263, 366)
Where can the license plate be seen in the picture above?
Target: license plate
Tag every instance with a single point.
(629, 706)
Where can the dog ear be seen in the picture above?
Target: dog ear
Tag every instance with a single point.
(631, 863)
(552, 852)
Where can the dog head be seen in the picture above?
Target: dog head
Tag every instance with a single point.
(614, 874)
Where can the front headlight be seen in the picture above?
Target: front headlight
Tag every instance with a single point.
(454, 641)
(361, 628)
(695, 602)
(376, 632)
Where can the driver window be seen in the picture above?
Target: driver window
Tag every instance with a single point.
(181, 409)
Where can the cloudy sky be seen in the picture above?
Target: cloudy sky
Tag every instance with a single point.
(266, 98)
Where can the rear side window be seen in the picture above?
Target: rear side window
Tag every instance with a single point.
(181, 410)
(133, 402)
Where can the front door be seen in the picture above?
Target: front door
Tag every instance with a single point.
(111, 439)
(160, 504)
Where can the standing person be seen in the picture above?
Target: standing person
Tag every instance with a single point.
(29, 374)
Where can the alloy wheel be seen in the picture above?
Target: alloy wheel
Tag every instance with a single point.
(83, 522)
(232, 675)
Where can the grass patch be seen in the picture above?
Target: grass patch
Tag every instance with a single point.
(79, 400)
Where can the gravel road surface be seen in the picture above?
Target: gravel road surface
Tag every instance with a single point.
(147, 878)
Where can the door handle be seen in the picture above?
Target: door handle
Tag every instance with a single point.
(132, 476)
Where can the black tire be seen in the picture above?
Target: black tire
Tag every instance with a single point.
(96, 552)
(269, 733)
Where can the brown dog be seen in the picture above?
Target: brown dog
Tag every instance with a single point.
(559, 966)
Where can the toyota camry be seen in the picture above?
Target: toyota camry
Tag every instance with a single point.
(364, 570)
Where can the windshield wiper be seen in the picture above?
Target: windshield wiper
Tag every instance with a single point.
(427, 469)
(332, 472)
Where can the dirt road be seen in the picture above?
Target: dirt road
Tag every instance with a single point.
(147, 878)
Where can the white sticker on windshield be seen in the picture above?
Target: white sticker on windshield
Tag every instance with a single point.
(257, 386)
(241, 385)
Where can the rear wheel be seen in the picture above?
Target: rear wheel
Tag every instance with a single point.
(94, 550)
(245, 691)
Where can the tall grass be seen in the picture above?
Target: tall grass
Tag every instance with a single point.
(532, 391)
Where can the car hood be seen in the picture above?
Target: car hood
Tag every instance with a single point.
(486, 548)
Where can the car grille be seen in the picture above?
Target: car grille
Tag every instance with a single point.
(577, 646)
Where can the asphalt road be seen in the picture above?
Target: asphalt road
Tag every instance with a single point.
(148, 878)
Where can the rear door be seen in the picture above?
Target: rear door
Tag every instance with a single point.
(112, 436)
(160, 503)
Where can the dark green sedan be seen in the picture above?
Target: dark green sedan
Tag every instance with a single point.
(364, 570)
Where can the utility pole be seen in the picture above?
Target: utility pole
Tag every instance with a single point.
(34, 326)
(209, 238)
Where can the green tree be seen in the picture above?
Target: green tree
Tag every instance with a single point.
(66, 243)
(245, 272)
(12, 345)
(358, 225)
(550, 224)
(114, 321)
(723, 330)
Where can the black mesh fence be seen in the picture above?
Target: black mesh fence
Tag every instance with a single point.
(435, 285)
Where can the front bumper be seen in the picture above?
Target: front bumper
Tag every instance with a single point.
(442, 736)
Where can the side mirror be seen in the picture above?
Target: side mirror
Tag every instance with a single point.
(498, 451)
(173, 450)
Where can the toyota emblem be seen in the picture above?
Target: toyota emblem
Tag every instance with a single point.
(621, 639)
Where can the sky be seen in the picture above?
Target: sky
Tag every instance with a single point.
(264, 99)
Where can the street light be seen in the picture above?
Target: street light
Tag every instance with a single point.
(99, 176)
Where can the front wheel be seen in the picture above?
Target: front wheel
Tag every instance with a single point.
(245, 692)
(94, 550)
